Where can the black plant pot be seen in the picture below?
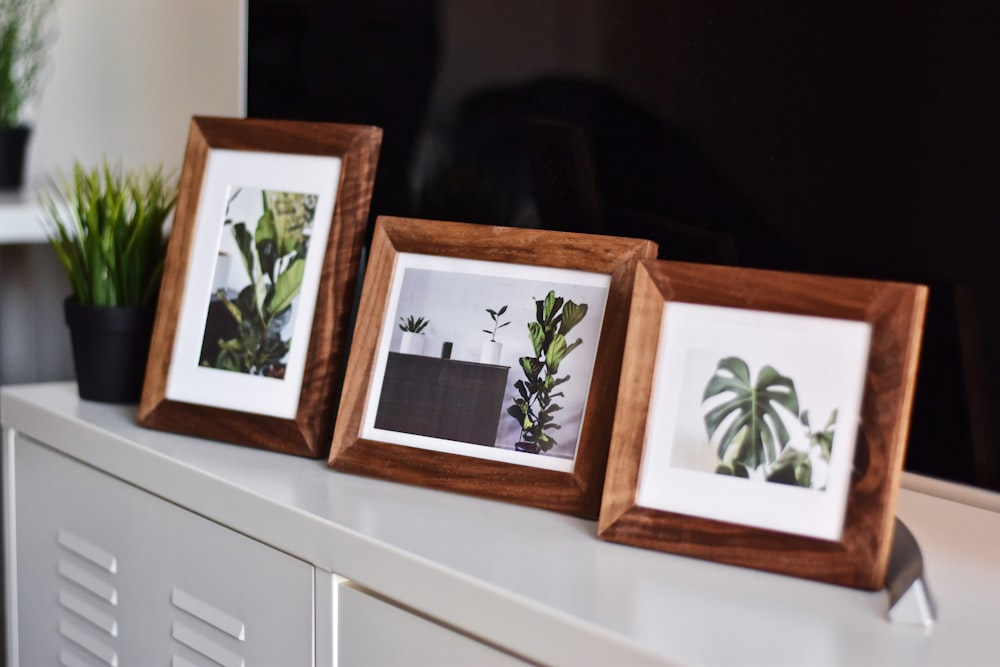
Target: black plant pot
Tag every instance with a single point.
(110, 346)
(13, 149)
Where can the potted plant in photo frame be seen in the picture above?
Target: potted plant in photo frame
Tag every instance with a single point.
(534, 405)
(753, 439)
(490, 352)
(412, 341)
(24, 43)
(245, 329)
(107, 227)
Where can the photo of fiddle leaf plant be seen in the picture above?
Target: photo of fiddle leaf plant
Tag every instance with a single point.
(534, 406)
(250, 324)
(747, 420)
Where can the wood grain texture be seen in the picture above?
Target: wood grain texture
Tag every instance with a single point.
(308, 434)
(577, 493)
(896, 314)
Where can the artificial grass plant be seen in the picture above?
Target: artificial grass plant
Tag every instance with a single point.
(107, 226)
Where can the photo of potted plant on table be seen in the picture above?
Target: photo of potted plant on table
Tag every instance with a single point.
(412, 341)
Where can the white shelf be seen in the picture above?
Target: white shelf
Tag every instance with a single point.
(536, 582)
(20, 220)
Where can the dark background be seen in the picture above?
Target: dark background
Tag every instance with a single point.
(843, 138)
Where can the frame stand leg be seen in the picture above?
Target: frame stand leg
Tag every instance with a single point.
(910, 599)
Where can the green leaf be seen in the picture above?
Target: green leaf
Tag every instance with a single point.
(738, 380)
(293, 216)
(752, 423)
(532, 367)
(245, 243)
(572, 314)
(228, 359)
(557, 352)
(518, 410)
(287, 287)
(549, 306)
(266, 239)
(793, 467)
(537, 336)
(521, 389)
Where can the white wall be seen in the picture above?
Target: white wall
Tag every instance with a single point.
(126, 76)
(124, 79)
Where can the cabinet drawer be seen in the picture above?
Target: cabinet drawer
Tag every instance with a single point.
(109, 574)
(374, 632)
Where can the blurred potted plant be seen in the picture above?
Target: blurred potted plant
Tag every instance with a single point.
(107, 226)
(23, 46)
(412, 341)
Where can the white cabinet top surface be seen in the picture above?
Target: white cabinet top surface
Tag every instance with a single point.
(537, 580)
(20, 219)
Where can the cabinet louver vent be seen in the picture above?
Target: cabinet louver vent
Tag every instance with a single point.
(87, 599)
(204, 637)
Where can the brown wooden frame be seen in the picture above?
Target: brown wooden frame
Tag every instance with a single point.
(895, 312)
(308, 434)
(578, 492)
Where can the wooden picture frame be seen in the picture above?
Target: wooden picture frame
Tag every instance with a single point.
(470, 274)
(849, 340)
(290, 201)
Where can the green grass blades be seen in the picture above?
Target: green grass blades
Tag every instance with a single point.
(107, 227)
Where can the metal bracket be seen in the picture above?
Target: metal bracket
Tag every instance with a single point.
(910, 599)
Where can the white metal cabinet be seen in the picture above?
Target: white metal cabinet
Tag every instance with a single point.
(373, 632)
(446, 569)
(110, 574)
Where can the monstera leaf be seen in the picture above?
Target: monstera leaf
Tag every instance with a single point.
(748, 416)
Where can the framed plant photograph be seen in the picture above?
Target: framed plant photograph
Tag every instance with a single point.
(484, 358)
(765, 419)
(251, 325)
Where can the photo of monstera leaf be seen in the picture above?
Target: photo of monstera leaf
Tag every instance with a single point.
(753, 432)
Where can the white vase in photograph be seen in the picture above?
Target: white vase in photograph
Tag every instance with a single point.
(411, 343)
(490, 352)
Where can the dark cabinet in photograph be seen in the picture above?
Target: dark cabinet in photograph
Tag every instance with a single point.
(442, 398)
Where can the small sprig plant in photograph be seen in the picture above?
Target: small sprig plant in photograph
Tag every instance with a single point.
(107, 225)
(497, 324)
(413, 324)
(534, 406)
